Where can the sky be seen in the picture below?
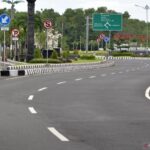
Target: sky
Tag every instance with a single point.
(61, 5)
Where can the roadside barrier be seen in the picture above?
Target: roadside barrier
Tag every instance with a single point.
(23, 70)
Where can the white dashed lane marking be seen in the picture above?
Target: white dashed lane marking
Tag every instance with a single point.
(58, 134)
(63, 82)
(32, 110)
(78, 79)
(42, 89)
(91, 77)
(30, 98)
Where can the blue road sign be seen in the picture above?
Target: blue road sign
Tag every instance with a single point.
(4, 20)
(106, 39)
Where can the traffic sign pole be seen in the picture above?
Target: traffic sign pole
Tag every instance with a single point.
(4, 22)
(15, 34)
(47, 25)
(47, 43)
(4, 49)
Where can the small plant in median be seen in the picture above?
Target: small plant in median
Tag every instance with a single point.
(54, 55)
(41, 60)
(37, 53)
(88, 57)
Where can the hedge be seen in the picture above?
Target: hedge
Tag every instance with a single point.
(88, 57)
(45, 61)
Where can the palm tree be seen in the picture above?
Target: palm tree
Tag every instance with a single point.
(12, 3)
(30, 36)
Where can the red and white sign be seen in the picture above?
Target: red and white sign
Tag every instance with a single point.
(102, 36)
(47, 24)
(15, 33)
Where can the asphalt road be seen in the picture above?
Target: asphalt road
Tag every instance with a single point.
(103, 109)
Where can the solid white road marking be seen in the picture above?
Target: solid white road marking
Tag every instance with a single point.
(120, 72)
(61, 82)
(30, 98)
(91, 77)
(42, 89)
(78, 79)
(32, 110)
(58, 134)
(147, 92)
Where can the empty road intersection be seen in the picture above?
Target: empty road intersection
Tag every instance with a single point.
(104, 109)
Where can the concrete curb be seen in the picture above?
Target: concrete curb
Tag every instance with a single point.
(12, 73)
(51, 68)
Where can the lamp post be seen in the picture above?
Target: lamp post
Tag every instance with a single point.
(146, 8)
(12, 3)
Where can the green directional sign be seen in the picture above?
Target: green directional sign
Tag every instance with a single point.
(107, 22)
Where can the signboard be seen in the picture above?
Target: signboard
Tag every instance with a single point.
(4, 20)
(107, 22)
(4, 28)
(15, 38)
(47, 24)
(15, 33)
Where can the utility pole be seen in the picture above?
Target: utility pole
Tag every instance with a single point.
(87, 32)
(146, 8)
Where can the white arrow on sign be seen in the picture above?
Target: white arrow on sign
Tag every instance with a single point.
(4, 20)
(107, 25)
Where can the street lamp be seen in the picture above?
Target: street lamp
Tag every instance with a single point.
(12, 3)
(146, 8)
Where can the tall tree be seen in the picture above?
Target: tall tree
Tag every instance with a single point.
(30, 34)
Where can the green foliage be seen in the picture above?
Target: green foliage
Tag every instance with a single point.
(72, 25)
(88, 57)
(37, 53)
(45, 61)
(101, 53)
(54, 55)
(122, 54)
(66, 54)
(76, 52)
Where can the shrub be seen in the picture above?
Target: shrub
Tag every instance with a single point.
(122, 53)
(37, 53)
(66, 54)
(54, 55)
(102, 53)
(88, 57)
(76, 52)
(45, 61)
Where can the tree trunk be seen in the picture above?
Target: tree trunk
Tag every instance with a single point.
(30, 33)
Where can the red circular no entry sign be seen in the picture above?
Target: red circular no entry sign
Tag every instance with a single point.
(47, 24)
